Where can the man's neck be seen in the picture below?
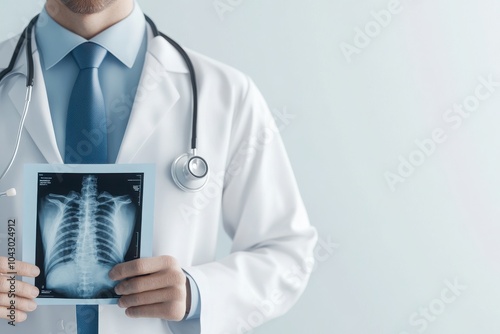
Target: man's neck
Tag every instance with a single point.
(89, 25)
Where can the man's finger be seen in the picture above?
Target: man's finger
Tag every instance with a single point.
(170, 311)
(19, 267)
(159, 280)
(11, 315)
(151, 297)
(141, 267)
(22, 304)
(21, 289)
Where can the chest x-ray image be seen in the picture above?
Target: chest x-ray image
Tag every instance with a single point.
(87, 223)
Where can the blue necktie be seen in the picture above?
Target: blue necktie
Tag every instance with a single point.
(86, 141)
(86, 137)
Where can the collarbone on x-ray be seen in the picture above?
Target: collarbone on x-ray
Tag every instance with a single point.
(84, 235)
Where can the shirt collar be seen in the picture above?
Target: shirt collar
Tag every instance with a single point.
(123, 39)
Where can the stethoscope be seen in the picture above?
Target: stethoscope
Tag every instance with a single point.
(189, 171)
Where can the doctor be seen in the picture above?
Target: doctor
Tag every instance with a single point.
(147, 96)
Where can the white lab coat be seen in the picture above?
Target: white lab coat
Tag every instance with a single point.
(252, 191)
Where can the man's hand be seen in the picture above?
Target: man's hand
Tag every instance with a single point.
(22, 294)
(152, 288)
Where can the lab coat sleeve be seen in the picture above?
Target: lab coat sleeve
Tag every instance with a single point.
(264, 215)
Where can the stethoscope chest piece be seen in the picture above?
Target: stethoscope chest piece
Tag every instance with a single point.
(190, 172)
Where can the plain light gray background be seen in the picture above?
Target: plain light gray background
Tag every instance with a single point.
(422, 256)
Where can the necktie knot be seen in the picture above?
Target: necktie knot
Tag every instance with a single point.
(89, 55)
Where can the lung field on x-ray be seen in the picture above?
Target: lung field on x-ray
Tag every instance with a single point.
(84, 234)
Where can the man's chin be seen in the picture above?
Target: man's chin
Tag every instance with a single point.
(87, 6)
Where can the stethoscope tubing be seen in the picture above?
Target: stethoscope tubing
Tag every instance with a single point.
(27, 36)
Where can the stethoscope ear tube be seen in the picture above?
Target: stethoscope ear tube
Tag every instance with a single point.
(25, 36)
(27, 102)
(9, 193)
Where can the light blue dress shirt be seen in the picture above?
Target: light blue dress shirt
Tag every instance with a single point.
(119, 75)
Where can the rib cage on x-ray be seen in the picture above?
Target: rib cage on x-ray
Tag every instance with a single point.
(84, 235)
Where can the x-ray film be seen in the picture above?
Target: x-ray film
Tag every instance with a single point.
(82, 220)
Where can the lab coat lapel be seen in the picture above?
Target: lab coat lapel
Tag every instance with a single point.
(38, 120)
(156, 95)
